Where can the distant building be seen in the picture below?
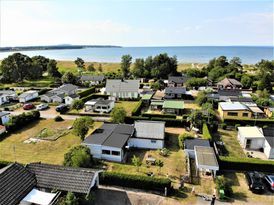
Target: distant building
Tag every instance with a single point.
(176, 81)
(69, 99)
(92, 79)
(229, 84)
(28, 96)
(123, 88)
(6, 96)
(175, 92)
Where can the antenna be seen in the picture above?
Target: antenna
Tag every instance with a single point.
(14, 150)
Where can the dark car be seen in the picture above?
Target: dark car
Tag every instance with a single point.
(255, 182)
(62, 108)
(28, 106)
(270, 181)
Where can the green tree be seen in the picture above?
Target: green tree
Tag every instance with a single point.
(201, 98)
(78, 104)
(42, 61)
(81, 126)
(139, 68)
(80, 63)
(196, 118)
(160, 164)
(125, 65)
(158, 85)
(196, 82)
(246, 81)
(118, 115)
(100, 68)
(69, 77)
(53, 70)
(136, 162)
(78, 156)
(91, 67)
(71, 199)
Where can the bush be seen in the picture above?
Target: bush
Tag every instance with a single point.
(138, 108)
(86, 92)
(131, 119)
(244, 122)
(224, 184)
(18, 121)
(182, 138)
(135, 181)
(236, 126)
(206, 132)
(58, 118)
(224, 126)
(245, 164)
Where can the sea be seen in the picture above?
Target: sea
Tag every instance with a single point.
(185, 54)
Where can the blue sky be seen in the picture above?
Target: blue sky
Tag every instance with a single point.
(136, 23)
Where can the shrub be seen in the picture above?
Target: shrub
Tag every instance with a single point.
(182, 138)
(164, 152)
(206, 132)
(118, 115)
(237, 125)
(224, 184)
(245, 164)
(138, 108)
(18, 121)
(86, 92)
(224, 126)
(135, 181)
(58, 118)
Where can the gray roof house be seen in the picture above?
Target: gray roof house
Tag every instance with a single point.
(93, 79)
(175, 92)
(123, 88)
(189, 145)
(68, 89)
(176, 81)
(148, 135)
(25, 185)
(229, 84)
(109, 141)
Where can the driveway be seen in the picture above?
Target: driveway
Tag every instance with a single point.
(51, 113)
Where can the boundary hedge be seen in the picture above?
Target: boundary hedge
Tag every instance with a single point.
(206, 133)
(135, 181)
(138, 108)
(86, 92)
(244, 122)
(94, 96)
(170, 116)
(245, 164)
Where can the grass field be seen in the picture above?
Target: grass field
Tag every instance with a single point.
(127, 105)
(174, 164)
(12, 147)
(44, 82)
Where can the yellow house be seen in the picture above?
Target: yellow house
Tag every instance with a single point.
(230, 110)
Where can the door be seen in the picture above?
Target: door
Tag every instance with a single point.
(248, 144)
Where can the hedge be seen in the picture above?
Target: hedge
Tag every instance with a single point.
(88, 114)
(138, 108)
(94, 96)
(86, 92)
(206, 132)
(135, 181)
(43, 91)
(244, 122)
(182, 137)
(18, 121)
(171, 122)
(131, 119)
(172, 116)
(245, 164)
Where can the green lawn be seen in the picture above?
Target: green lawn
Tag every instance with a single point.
(127, 105)
(229, 137)
(174, 164)
(12, 147)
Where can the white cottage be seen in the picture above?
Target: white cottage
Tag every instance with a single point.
(4, 118)
(28, 95)
(148, 135)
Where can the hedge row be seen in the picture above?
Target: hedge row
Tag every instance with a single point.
(131, 119)
(135, 181)
(43, 91)
(94, 96)
(206, 132)
(244, 122)
(138, 108)
(18, 121)
(86, 92)
(88, 114)
(172, 116)
(245, 164)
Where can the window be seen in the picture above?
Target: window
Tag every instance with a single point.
(245, 114)
(232, 114)
(116, 153)
(153, 141)
(106, 152)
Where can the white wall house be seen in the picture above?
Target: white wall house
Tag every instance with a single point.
(189, 145)
(3, 99)
(122, 88)
(4, 117)
(148, 135)
(99, 105)
(110, 141)
(28, 95)
(251, 137)
(69, 99)
(7, 95)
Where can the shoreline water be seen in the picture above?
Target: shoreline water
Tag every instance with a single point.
(186, 54)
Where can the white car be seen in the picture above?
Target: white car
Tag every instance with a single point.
(42, 106)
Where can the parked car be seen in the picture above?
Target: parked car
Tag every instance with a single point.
(62, 108)
(270, 181)
(255, 182)
(28, 106)
(42, 106)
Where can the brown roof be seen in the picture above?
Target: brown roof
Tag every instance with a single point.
(229, 81)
